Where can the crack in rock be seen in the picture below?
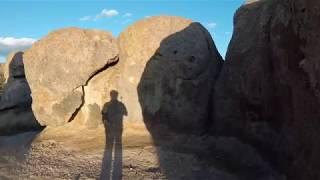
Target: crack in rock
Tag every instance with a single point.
(114, 61)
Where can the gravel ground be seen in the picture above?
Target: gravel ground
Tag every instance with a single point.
(85, 155)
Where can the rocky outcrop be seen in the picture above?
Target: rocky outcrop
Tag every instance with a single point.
(59, 66)
(15, 104)
(167, 69)
(268, 89)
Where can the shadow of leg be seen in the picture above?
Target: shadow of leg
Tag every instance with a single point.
(107, 158)
(117, 164)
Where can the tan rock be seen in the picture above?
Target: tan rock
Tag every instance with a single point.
(167, 67)
(59, 65)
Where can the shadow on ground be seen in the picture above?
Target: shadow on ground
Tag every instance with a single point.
(112, 113)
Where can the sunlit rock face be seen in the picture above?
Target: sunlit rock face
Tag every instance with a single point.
(60, 65)
(268, 90)
(162, 67)
(165, 74)
(97, 94)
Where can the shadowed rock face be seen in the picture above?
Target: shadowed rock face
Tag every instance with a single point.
(15, 104)
(14, 66)
(268, 89)
(168, 68)
(60, 65)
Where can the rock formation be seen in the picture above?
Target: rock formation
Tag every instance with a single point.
(268, 90)
(169, 73)
(58, 68)
(15, 104)
(165, 70)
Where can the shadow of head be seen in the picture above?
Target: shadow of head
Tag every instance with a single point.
(114, 110)
(114, 95)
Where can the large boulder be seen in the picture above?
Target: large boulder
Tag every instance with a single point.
(168, 69)
(60, 65)
(268, 90)
(165, 74)
(15, 103)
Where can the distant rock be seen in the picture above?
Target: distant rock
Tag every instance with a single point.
(2, 77)
(16, 88)
(60, 65)
(15, 104)
(251, 1)
(14, 66)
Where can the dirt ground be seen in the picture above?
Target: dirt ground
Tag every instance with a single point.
(68, 153)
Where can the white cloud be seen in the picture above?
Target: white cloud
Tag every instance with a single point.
(106, 13)
(211, 25)
(10, 44)
(109, 13)
(147, 17)
(127, 15)
(85, 18)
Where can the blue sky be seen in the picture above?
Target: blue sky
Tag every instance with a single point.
(24, 21)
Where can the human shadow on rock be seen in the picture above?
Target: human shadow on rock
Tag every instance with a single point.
(112, 115)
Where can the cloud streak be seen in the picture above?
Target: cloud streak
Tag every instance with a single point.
(105, 13)
(10, 44)
(126, 15)
(85, 18)
(211, 25)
